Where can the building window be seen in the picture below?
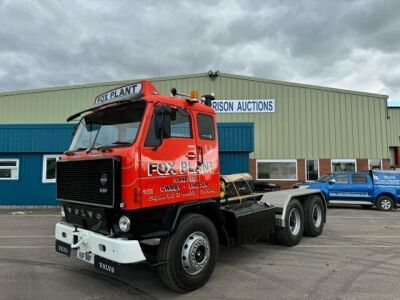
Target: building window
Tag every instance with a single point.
(344, 165)
(276, 169)
(9, 169)
(375, 164)
(312, 169)
(49, 168)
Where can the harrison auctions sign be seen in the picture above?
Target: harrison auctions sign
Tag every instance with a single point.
(244, 106)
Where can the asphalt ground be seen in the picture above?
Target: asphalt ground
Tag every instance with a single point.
(356, 257)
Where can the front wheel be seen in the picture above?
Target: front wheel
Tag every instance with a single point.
(291, 234)
(385, 203)
(189, 255)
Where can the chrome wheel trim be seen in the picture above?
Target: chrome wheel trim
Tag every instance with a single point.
(386, 204)
(317, 215)
(195, 253)
(294, 221)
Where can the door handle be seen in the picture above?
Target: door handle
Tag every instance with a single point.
(200, 160)
(191, 155)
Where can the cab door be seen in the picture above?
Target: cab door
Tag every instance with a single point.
(208, 160)
(168, 166)
(361, 188)
(338, 188)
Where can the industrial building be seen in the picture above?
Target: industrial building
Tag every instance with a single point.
(278, 131)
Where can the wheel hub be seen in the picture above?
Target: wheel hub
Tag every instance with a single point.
(317, 215)
(385, 204)
(294, 221)
(195, 253)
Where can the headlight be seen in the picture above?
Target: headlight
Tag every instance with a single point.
(124, 224)
(303, 186)
(62, 212)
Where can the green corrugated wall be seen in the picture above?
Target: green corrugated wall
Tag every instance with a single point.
(308, 122)
(393, 129)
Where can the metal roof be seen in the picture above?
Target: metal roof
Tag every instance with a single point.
(196, 75)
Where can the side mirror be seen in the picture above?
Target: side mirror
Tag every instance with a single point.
(332, 181)
(162, 122)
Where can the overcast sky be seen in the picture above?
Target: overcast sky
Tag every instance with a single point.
(345, 44)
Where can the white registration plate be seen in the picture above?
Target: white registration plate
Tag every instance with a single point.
(87, 256)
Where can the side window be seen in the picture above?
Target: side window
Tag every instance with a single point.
(180, 123)
(359, 178)
(180, 127)
(151, 139)
(342, 178)
(205, 123)
(49, 168)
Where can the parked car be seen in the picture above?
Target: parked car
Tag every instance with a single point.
(380, 188)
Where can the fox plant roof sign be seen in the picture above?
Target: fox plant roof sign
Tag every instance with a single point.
(117, 92)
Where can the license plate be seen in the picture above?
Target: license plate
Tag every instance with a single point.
(85, 256)
(63, 248)
(107, 265)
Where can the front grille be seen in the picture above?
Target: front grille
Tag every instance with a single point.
(83, 181)
(87, 217)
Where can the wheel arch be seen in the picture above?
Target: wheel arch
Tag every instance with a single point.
(283, 199)
(388, 194)
(208, 208)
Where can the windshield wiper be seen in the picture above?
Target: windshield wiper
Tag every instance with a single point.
(121, 143)
(112, 144)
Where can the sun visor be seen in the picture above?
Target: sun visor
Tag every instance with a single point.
(126, 93)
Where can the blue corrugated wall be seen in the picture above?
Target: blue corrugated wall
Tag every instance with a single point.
(235, 141)
(236, 137)
(28, 189)
(49, 138)
(29, 143)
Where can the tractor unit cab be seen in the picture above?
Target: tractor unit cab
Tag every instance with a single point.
(137, 149)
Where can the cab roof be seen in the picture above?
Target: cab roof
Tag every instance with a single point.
(140, 91)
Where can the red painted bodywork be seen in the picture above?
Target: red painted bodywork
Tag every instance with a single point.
(190, 180)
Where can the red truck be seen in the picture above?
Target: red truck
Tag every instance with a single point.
(141, 183)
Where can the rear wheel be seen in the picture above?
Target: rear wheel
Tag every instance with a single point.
(291, 234)
(385, 203)
(189, 255)
(314, 215)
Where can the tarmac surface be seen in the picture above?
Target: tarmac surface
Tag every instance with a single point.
(356, 257)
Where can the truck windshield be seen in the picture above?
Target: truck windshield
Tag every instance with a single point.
(113, 127)
(325, 178)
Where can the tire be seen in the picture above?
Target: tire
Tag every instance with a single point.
(291, 234)
(385, 203)
(195, 236)
(314, 216)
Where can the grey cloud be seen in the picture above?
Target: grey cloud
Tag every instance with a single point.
(336, 43)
